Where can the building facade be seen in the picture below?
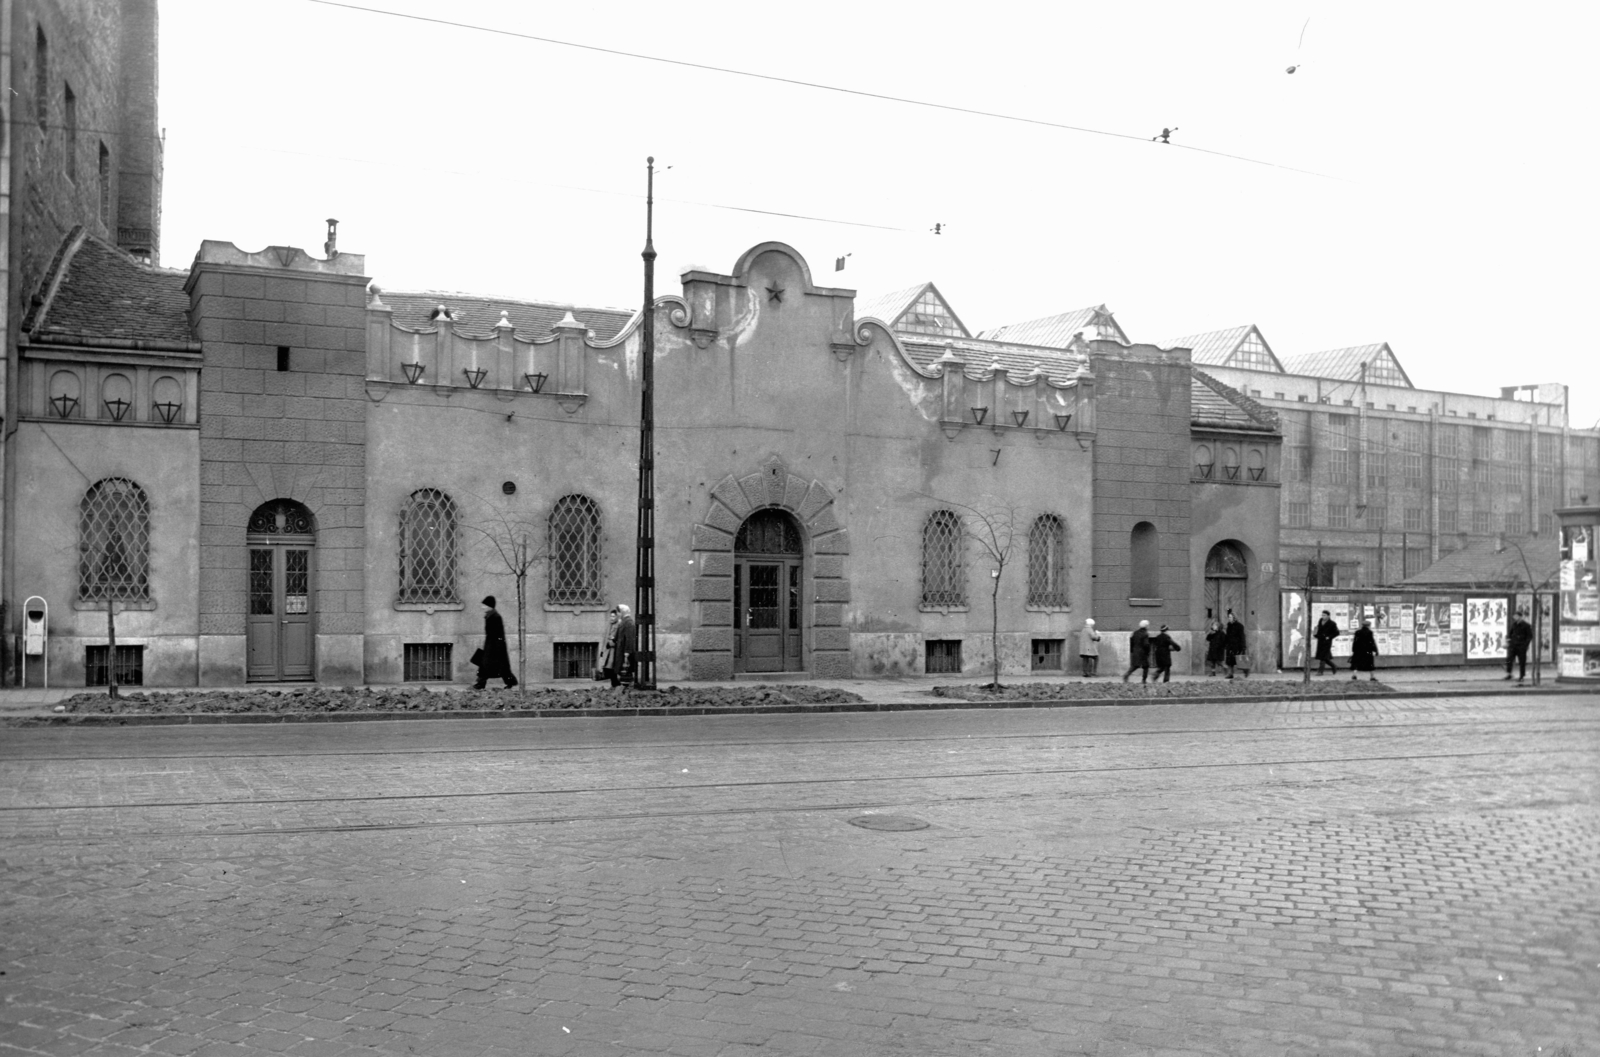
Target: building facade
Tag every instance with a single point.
(309, 478)
(82, 150)
(1382, 479)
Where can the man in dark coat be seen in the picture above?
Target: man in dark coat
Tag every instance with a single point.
(1364, 652)
(1234, 643)
(1327, 630)
(1139, 652)
(1164, 647)
(493, 660)
(1517, 642)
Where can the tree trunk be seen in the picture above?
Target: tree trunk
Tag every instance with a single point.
(522, 659)
(994, 626)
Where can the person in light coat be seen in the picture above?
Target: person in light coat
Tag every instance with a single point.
(1089, 649)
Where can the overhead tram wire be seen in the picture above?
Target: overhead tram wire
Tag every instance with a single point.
(799, 83)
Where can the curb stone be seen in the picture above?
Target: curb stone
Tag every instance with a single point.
(202, 718)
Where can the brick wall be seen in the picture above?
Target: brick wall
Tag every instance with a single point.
(266, 434)
(1141, 473)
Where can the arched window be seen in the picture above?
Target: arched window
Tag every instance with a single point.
(114, 542)
(574, 551)
(428, 548)
(1144, 560)
(1047, 562)
(943, 579)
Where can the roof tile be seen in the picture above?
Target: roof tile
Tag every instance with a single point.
(475, 317)
(104, 293)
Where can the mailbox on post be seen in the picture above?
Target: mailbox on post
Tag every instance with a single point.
(36, 636)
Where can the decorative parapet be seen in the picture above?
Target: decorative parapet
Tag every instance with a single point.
(290, 258)
(443, 360)
(992, 399)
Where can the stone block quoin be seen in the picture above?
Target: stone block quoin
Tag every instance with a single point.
(827, 544)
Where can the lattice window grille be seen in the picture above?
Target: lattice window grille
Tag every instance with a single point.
(428, 548)
(575, 551)
(114, 542)
(1047, 562)
(943, 579)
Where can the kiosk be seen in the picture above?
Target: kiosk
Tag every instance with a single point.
(1578, 628)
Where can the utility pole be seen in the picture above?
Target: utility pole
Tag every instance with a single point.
(645, 552)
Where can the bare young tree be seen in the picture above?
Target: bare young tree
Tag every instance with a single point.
(992, 526)
(516, 545)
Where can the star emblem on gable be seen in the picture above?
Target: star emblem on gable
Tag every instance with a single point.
(775, 293)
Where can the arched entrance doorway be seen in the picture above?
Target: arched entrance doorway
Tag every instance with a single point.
(280, 617)
(767, 575)
(1227, 582)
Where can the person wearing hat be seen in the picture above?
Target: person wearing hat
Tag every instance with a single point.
(493, 660)
(1237, 651)
(1164, 647)
(1089, 649)
(1139, 652)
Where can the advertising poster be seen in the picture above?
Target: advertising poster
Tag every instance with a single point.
(1458, 628)
(1294, 630)
(1340, 612)
(1422, 626)
(1579, 663)
(1486, 628)
(1575, 635)
(1547, 622)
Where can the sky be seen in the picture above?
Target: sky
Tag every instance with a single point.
(1425, 177)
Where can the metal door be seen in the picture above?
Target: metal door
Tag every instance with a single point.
(278, 625)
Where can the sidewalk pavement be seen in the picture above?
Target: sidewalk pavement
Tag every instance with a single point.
(917, 689)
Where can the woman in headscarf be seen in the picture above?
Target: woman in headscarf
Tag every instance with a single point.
(621, 645)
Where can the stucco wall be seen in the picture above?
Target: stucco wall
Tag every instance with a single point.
(785, 385)
(59, 461)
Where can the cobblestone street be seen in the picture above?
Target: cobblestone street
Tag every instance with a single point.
(1388, 877)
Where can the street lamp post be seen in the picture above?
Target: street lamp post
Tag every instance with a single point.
(645, 551)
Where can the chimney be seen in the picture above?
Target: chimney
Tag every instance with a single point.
(330, 249)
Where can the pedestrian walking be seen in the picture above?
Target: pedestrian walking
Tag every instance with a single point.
(1089, 649)
(1139, 652)
(493, 661)
(1216, 647)
(1364, 652)
(1327, 630)
(1163, 647)
(1237, 654)
(621, 646)
(1517, 642)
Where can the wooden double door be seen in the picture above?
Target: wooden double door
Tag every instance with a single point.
(280, 618)
(766, 614)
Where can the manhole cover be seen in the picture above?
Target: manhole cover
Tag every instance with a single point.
(888, 823)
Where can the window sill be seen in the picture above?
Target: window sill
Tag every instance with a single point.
(428, 607)
(1152, 602)
(929, 608)
(576, 607)
(1032, 608)
(124, 605)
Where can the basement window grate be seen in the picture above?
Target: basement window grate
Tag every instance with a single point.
(943, 657)
(1047, 655)
(130, 665)
(574, 660)
(428, 662)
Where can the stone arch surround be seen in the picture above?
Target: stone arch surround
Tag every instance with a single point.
(825, 547)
